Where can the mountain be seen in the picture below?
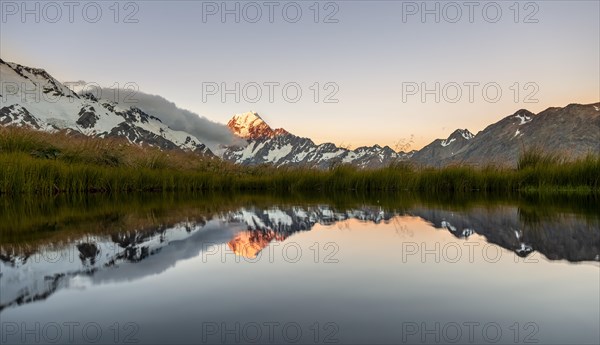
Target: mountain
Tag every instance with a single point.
(33, 98)
(281, 148)
(572, 131)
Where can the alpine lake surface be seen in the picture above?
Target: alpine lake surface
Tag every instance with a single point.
(397, 268)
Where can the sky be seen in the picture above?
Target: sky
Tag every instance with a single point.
(368, 72)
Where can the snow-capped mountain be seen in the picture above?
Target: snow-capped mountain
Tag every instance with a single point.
(281, 148)
(31, 97)
(251, 126)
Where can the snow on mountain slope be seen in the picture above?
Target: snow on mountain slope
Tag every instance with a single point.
(31, 97)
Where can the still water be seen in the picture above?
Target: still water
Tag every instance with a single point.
(268, 269)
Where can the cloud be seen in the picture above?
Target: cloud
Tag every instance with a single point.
(212, 134)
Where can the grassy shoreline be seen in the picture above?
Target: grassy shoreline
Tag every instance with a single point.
(34, 162)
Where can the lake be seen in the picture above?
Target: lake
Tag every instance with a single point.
(300, 269)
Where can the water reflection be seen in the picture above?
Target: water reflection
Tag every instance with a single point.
(105, 245)
(173, 263)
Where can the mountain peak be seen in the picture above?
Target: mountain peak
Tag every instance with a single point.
(251, 126)
(524, 116)
(459, 134)
(247, 117)
(465, 133)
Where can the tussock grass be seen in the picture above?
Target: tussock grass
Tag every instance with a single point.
(42, 163)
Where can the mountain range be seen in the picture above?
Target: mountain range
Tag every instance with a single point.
(572, 131)
(31, 97)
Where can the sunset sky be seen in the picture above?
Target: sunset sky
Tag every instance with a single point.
(374, 49)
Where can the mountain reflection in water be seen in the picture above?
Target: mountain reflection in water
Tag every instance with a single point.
(129, 247)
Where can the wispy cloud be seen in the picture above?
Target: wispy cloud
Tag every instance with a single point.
(211, 133)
